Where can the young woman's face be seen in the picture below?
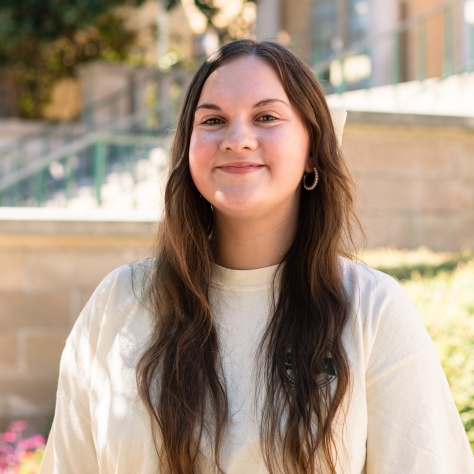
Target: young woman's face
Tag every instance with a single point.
(249, 146)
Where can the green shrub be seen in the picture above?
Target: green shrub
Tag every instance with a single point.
(441, 285)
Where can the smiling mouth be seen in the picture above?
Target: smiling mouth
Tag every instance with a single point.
(240, 167)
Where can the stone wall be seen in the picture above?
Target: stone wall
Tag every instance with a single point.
(49, 270)
(415, 178)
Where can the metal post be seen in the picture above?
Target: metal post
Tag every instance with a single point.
(99, 170)
(16, 193)
(421, 63)
(157, 102)
(396, 59)
(165, 102)
(20, 153)
(121, 160)
(317, 46)
(46, 143)
(132, 95)
(368, 80)
(448, 62)
(68, 177)
(38, 187)
(134, 173)
(69, 133)
(89, 115)
(341, 87)
(113, 113)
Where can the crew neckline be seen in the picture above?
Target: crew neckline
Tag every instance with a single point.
(255, 279)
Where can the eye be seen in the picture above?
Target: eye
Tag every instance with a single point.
(212, 121)
(267, 118)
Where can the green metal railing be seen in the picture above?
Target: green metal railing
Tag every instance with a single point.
(410, 49)
(82, 165)
(86, 152)
(152, 115)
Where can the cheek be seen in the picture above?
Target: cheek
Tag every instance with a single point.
(200, 159)
(290, 152)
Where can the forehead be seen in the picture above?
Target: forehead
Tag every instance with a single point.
(244, 78)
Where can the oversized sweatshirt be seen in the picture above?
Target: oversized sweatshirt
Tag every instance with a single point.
(400, 418)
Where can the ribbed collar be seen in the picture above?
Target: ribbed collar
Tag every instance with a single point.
(243, 280)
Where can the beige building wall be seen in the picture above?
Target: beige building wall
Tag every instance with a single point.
(49, 271)
(415, 179)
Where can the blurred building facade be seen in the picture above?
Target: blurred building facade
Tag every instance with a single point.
(379, 42)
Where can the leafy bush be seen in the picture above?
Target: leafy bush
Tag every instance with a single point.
(441, 285)
(42, 42)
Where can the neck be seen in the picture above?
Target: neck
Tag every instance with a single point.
(246, 244)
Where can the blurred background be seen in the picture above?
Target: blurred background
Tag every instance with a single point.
(89, 92)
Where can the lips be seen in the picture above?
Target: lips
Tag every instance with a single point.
(240, 167)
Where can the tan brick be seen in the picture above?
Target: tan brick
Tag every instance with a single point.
(12, 274)
(43, 351)
(63, 268)
(27, 396)
(84, 298)
(445, 231)
(466, 158)
(8, 350)
(388, 229)
(436, 230)
(389, 154)
(413, 195)
(22, 309)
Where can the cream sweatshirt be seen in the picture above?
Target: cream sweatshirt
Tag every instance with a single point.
(401, 417)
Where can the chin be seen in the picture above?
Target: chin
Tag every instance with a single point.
(238, 207)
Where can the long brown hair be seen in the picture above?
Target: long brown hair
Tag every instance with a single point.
(180, 377)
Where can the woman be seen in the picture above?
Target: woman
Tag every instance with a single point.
(250, 344)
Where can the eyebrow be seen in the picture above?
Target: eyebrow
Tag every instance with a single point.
(262, 103)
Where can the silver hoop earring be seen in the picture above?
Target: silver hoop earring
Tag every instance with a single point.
(315, 182)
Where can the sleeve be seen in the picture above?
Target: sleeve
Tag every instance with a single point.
(413, 423)
(71, 448)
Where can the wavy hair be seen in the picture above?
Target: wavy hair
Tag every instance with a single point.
(180, 376)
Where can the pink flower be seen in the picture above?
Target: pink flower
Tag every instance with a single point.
(8, 436)
(17, 425)
(31, 443)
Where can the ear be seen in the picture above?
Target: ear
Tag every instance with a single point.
(309, 166)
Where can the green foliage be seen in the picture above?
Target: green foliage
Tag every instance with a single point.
(441, 287)
(51, 19)
(209, 9)
(42, 41)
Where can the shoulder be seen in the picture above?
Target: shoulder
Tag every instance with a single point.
(365, 285)
(373, 290)
(114, 299)
(357, 275)
(390, 328)
(122, 283)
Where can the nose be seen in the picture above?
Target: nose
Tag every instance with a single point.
(239, 136)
